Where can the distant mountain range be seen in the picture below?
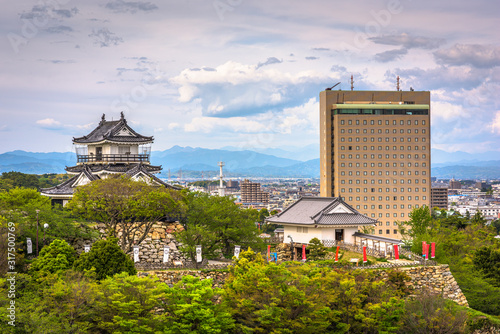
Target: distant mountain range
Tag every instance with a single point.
(285, 162)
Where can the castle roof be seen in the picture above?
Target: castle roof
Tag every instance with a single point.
(113, 131)
(321, 211)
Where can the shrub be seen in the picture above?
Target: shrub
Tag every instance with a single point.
(107, 258)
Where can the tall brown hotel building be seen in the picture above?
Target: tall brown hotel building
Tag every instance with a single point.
(375, 152)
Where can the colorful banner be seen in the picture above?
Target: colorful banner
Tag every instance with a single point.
(424, 244)
(136, 253)
(396, 252)
(304, 252)
(427, 246)
(166, 253)
(198, 254)
(364, 255)
(86, 248)
(433, 250)
(30, 245)
(337, 254)
(269, 253)
(237, 251)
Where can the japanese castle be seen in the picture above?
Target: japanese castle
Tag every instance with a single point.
(113, 147)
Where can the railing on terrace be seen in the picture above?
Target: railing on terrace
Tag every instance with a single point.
(113, 158)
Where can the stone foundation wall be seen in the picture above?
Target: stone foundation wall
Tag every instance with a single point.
(438, 279)
(151, 248)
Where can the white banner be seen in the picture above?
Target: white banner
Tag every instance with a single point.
(86, 248)
(30, 245)
(198, 253)
(136, 253)
(166, 251)
(237, 251)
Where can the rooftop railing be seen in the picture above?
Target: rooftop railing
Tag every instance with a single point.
(92, 158)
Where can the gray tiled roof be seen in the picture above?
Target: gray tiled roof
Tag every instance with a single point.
(115, 168)
(315, 211)
(67, 188)
(108, 130)
(142, 168)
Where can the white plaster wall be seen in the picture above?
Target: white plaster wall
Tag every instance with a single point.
(301, 237)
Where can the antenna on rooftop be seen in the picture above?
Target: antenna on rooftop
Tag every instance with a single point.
(352, 82)
(330, 88)
(397, 83)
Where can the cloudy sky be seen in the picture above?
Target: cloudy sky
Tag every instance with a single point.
(213, 73)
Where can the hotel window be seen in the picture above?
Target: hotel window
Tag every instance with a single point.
(409, 148)
(379, 122)
(409, 206)
(409, 122)
(386, 122)
(387, 231)
(342, 173)
(350, 164)
(387, 223)
(373, 215)
(395, 198)
(342, 139)
(365, 207)
(357, 207)
(364, 122)
(349, 131)
(350, 198)
(342, 122)
(350, 139)
(350, 147)
(357, 122)
(342, 164)
(372, 122)
(342, 147)
(395, 231)
(401, 122)
(342, 156)
(387, 215)
(401, 131)
(350, 122)
(416, 181)
(343, 181)
(365, 140)
(342, 190)
(423, 131)
(379, 231)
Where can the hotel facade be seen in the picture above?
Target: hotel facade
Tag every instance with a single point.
(375, 153)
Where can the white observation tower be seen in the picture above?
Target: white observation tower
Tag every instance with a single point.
(222, 189)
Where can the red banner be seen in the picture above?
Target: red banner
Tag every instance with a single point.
(423, 247)
(303, 252)
(268, 252)
(364, 255)
(337, 254)
(396, 252)
(433, 250)
(427, 246)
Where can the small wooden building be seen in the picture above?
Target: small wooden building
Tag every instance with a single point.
(325, 218)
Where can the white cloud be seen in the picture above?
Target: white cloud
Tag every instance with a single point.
(49, 123)
(236, 89)
(447, 111)
(495, 124)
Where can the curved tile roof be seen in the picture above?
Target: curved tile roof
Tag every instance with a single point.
(110, 131)
(323, 211)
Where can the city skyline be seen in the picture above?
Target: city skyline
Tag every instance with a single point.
(240, 73)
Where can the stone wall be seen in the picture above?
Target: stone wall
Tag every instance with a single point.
(436, 278)
(151, 248)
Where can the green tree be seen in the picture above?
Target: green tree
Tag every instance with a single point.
(126, 206)
(496, 225)
(317, 250)
(487, 260)
(431, 314)
(128, 304)
(107, 258)
(18, 179)
(191, 307)
(217, 224)
(58, 256)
